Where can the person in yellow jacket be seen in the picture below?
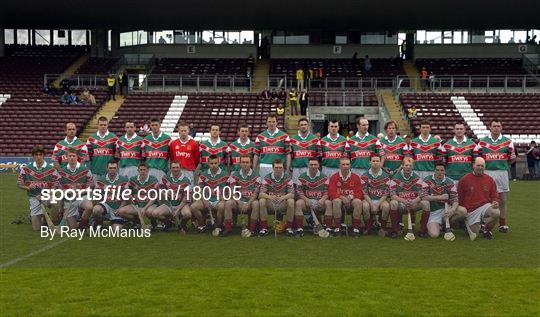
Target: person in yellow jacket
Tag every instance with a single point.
(299, 79)
(293, 101)
(111, 85)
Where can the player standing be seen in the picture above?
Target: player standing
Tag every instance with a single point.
(362, 146)
(304, 147)
(242, 146)
(101, 147)
(128, 151)
(59, 155)
(424, 150)
(270, 145)
(213, 146)
(333, 147)
(185, 150)
(458, 153)
(156, 150)
(376, 192)
(394, 148)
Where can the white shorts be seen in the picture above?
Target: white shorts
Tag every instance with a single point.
(296, 171)
(35, 206)
(424, 174)
(73, 210)
(436, 216)
(280, 206)
(359, 171)
(264, 169)
(110, 213)
(189, 175)
(376, 202)
(329, 171)
(157, 173)
(128, 171)
(477, 215)
(501, 180)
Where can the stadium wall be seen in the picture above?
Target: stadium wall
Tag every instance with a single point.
(472, 50)
(327, 51)
(181, 50)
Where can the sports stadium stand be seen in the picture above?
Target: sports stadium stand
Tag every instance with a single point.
(472, 66)
(201, 66)
(365, 98)
(98, 66)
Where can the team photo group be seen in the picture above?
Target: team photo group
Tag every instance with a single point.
(331, 186)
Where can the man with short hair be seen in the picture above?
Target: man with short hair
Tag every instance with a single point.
(128, 151)
(346, 193)
(312, 194)
(248, 183)
(101, 147)
(362, 146)
(478, 194)
(271, 144)
(59, 155)
(185, 150)
(304, 147)
(156, 150)
(277, 196)
(424, 150)
(376, 192)
(498, 153)
(35, 177)
(394, 148)
(406, 191)
(458, 153)
(242, 146)
(76, 176)
(213, 146)
(115, 183)
(333, 147)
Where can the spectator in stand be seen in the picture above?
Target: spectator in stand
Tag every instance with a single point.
(412, 112)
(162, 40)
(192, 130)
(144, 129)
(280, 110)
(64, 85)
(431, 80)
(49, 90)
(123, 83)
(355, 59)
(299, 79)
(303, 100)
(87, 98)
(293, 102)
(274, 95)
(250, 63)
(282, 95)
(64, 98)
(367, 64)
(111, 85)
(72, 99)
(266, 95)
(424, 77)
(533, 160)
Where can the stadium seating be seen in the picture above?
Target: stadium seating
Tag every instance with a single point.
(472, 66)
(99, 66)
(201, 66)
(366, 98)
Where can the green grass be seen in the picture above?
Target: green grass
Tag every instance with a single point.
(169, 274)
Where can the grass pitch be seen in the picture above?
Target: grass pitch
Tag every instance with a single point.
(169, 274)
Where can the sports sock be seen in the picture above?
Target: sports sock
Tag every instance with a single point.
(502, 221)
(227, 224)
(289, 224)
(299, 222)
(356, 223)
(328, 221)
(424, 221)
(368, 224)
(264, 224)
(252, 225)
(383, 223)
(337, 222)
(394, 218)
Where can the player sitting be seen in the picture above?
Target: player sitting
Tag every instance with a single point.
(375, 183)
(110, 184)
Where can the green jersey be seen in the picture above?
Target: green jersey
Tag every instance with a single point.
(79, 177)
(279, 187)
(496, 152)
(394, 152)
(218, 180)
(312, 187)
(409, 188)
(333, 150)
(144, 187)
(118, 183)
(61, 150)
(304, 148)
(128, 150)
(361, 147)
(208, 148)
(459, 157)
(156, 151)
(425, 153)
(440, 187)
(44, 177)
(272, 146)
(101, 150)
(376, 186)
(237, 149)
(176, 186)
(248, 184)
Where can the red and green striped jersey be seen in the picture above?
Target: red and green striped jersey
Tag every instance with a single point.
(237, 149)
(79, 177)
(312, 187)
(118, 183)
(156, 151)
(176, 188)
(101, 151)
(279, 187)
(304, 148)
(208, 148)
(361, 148)
(394, 152)
(496, 152)
(459, 157)
(249, 184)
(376, 186)
(274, 146)
(333, 150)
(409, 188)
(43, 177)
(145, 185)
(60, 151)
(129, 150)
(425, 153)
(440, 187)
(217, 180)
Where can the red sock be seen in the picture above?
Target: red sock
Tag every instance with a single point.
(502, 221)
(288, 225)
(264, 224)
(252, 225)
(394, 217)
(337, 222)
(369, 224)
(201, 222)
(83, 223)
(227, 225)
(328, 221)
(299, 222)
(383, 223)
(424, 221)
(488, 227)
(356, 223)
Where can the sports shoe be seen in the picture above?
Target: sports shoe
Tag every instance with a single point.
(263, 232)
(153, 224)
(394, 235)
(504, 229)
(201, 229)
(356, 232)
(337, 232)
(482, 229)
(289, 232)
(423, 234)
(299, 232)
(224, 233)
(166, 226)
(488, 235)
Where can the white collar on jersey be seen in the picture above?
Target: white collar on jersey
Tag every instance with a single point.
(74, 139)
(274, 177)
(422, 139)
(497, 139)
(76, 167)
(217, 173)
(243, 144)
(301, 137)
(333, 140)
(406, 178)
(132, 137)
(462, 141)
(358, 135)
(346, 178)
(139, 178)
(105, 135)
(439, 181)
(272, 134)
(112, 180)
(159, 136)
(316, 175)
(189, 138)
(375, 175)
(179, 177)
(214, 144)
(391, 141)
(39, 168)
(248, 174)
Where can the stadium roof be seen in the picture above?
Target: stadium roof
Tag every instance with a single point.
(365, 15)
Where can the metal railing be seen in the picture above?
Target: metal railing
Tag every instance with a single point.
(345, 98)
(468, 82)
(78, 80)
(278, 82)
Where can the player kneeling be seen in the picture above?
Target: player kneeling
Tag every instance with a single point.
(312, 195)
(375, 183)
(215, 179)
(407, 190)
(174, 205)
(345, 192)
(248, 182)
(110, 184)
(277, 196)
(443, 203)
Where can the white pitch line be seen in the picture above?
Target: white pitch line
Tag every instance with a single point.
(31, 254)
